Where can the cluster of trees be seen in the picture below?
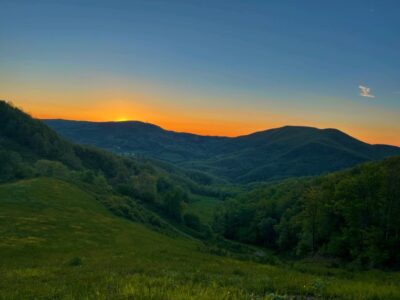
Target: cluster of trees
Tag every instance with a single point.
(352, 215)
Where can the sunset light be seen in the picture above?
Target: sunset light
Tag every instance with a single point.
(204, 150)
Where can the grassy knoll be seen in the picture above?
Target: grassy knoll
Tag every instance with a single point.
(58, 242)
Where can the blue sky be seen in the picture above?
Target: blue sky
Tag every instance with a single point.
(250, 64)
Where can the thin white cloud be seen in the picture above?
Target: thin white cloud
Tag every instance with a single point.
(365, 91)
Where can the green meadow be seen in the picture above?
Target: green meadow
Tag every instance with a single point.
(59, 242)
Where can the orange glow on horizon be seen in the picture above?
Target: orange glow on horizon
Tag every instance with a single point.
(204, 121)
(229, 128)
(121, 119)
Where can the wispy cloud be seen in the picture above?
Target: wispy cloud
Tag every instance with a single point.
(365, 91)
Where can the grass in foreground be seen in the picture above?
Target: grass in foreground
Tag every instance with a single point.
(58, 242)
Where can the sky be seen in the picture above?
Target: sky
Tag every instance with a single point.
(207, 67)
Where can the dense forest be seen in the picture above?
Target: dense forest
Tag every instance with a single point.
(351, 215)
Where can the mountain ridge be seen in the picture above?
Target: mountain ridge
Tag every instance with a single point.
(271, 154)
(134, 122)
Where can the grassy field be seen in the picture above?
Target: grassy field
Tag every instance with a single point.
(58, 242)
(204, 207)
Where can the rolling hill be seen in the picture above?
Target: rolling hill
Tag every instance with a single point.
(262, 156)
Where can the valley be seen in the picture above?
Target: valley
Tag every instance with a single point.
(59, 242)
(87, 223)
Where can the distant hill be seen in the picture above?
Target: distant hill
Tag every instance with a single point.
(138, 138)
(262, 156)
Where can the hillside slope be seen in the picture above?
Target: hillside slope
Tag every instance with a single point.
(29, 148)
(262, 156)
(58, 242)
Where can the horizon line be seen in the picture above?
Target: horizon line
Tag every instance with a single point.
(219, 136)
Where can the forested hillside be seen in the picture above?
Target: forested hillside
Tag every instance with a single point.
(129, 187)
(290, 151)
(352, 215)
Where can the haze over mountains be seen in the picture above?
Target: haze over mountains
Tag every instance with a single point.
(262, 156)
